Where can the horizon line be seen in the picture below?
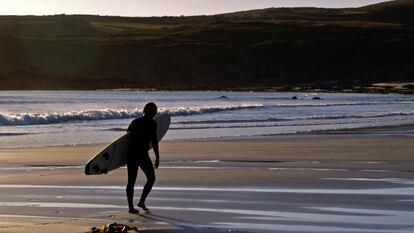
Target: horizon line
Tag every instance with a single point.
(185, 15)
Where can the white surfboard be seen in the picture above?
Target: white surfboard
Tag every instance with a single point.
(114, 155)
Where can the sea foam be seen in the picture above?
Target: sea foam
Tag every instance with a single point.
(108, 114)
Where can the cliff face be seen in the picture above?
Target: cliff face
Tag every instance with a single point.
(259, 48)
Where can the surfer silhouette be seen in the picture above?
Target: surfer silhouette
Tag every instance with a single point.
(143, 132)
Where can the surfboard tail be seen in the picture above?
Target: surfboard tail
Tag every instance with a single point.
(87, 169)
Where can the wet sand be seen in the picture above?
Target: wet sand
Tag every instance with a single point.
(314, 183)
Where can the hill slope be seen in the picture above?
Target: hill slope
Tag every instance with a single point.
(251, 49)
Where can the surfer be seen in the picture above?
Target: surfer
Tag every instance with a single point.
(143, 132)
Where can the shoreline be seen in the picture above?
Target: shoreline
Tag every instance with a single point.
(405, 130)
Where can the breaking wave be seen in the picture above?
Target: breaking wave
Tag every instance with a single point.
(312, 117)
(107, 114)
(290, 105)
(387, 114)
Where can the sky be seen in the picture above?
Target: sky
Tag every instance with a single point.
(159, 7)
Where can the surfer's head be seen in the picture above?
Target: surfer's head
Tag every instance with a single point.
(150, 109)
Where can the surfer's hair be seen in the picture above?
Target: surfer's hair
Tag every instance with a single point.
(150, 109)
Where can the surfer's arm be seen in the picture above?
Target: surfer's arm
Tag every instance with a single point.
(130, 127)
(155, 146)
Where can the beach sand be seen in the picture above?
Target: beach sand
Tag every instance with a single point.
(308, 183)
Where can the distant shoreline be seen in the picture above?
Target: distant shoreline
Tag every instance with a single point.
(392, 88)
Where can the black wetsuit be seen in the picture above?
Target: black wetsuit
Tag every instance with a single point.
(143, 132)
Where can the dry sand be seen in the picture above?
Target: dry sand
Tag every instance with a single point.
(281, 165)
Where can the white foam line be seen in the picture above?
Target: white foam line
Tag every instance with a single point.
(208, 161)
(40, 168)
(365, 211)
(390, 180)
(378, 170)
(381, 191)
(328, 169)
(47, 217)
(169, 199)
(60, 205)
(194, 167)
(308, 169)
(371, 162)
(302, 228)
(202, 200)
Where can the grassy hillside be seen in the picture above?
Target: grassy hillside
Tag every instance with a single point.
(252, 49)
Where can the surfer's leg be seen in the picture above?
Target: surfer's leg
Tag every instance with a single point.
(132, 177)
(148, 169)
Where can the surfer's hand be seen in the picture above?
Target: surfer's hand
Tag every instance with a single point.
(157, 163)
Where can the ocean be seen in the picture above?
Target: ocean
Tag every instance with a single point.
(55, 118)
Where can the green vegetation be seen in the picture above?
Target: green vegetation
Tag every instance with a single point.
(269, 49)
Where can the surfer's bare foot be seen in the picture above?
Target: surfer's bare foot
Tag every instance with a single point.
(142, 205)
(133, 211)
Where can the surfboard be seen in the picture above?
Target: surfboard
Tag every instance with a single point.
(114, 155)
